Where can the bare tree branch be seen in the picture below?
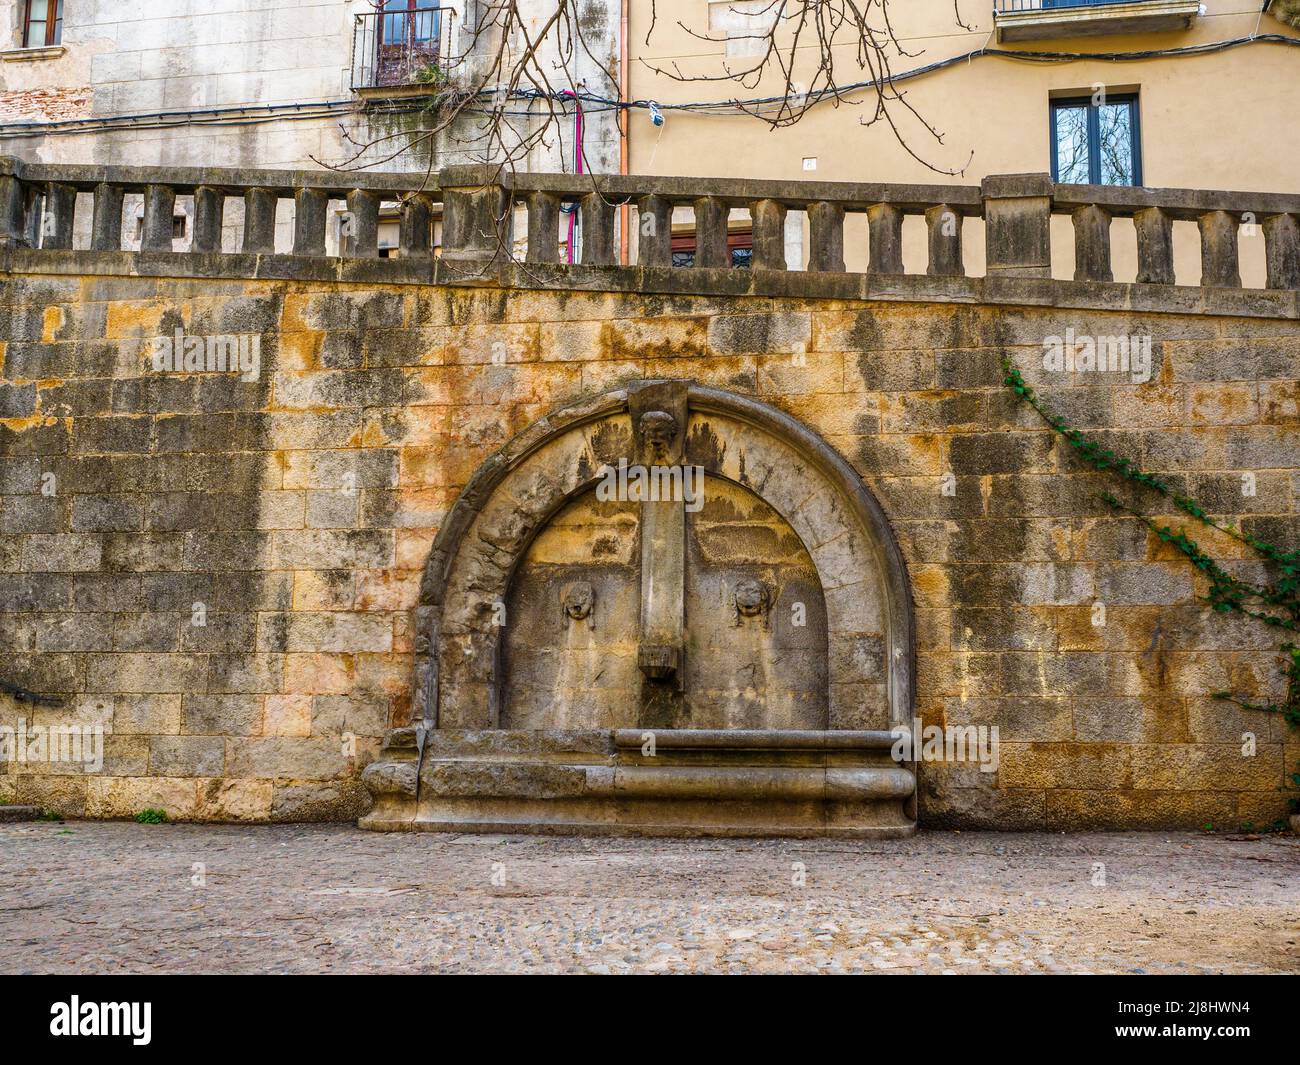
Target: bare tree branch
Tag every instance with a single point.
(510, 87)
(818, 51)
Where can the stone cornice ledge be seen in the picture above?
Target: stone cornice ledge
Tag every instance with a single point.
(28, 55)
(685, 281)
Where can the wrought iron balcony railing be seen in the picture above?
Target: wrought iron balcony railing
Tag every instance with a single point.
(404, 45)
(1004, 6)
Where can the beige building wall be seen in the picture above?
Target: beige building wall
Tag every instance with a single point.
(1226, 120)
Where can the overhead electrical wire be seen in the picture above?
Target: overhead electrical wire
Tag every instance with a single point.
(999, 53)
(730, 108)
(240, 115)
(596, 103)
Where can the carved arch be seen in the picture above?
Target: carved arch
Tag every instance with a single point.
(521, 487)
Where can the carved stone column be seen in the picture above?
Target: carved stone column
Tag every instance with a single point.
(659, 429)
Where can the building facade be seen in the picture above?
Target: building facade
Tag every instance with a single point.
(273, 84)
(1161, 93)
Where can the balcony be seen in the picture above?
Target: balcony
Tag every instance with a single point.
(403, 49)
(1032, 20)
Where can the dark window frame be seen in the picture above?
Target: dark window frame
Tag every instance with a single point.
(412, 25)
(1094, 132)
(53, 26)
(740, 246)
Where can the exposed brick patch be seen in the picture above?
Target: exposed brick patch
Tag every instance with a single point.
(45, 105)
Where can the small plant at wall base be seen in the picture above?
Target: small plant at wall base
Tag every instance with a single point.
(151, 817)
(1276, 605)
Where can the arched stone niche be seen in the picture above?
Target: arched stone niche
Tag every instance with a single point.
(754, 642)
(746, 448)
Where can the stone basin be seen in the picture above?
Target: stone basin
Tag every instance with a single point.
(691, 782)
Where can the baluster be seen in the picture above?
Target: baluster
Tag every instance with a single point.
(60, 207)
(885, 225)
(655, 220)
(826, 236)
(159, 211)
(1155, 243)
(310, 216)
(209, 216)
(1219, 267)
(543, 227)
(943, 233)
(711, 232)
(363, 207)
(1092, 244)
(106, 225)
(769, 234)
(1282, 250)
(415, 223)
(14, 203)
(597, 216)
(259, 221)
(33, 214)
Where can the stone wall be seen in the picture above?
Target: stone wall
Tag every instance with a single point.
(292, 515)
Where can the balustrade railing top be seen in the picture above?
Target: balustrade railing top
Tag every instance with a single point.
(478, 206)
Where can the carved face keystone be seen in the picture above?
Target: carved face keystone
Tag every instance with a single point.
(659, 430)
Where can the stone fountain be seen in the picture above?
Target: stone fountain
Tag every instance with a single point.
(670, 609)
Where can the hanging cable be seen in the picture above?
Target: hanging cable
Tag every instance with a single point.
(594, 103)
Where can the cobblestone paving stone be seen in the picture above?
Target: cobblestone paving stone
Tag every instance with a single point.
(114, 897)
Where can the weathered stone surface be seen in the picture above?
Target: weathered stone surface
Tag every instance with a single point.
(502, 780)
(294, 513)
(345, 800)
(222, 715)
(187, 756)
(147, 715)
(287, 715)
(292, 758)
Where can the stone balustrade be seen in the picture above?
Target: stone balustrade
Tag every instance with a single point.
(481, 208)
(1219, 216)
(38, 206)
(712, 201)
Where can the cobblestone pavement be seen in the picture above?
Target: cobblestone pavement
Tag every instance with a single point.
(111, 897)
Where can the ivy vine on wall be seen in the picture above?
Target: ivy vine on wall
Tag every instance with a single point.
(1276, 604)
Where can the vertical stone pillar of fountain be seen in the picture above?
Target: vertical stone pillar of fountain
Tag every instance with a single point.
(659, 412)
